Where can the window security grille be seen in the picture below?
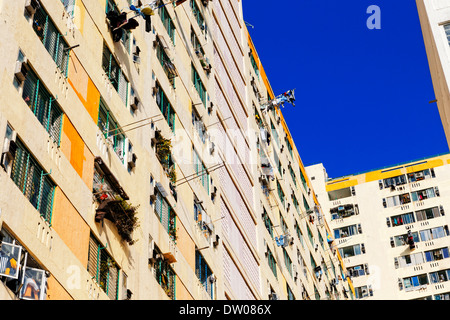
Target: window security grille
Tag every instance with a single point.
(115, 74)
(165, 106)
(198, 84)
(43, 105)
(201, 171)
(204, 273)
(166, 215)
(103, 269)
(111, 130)
(33, 181)
(52, 39)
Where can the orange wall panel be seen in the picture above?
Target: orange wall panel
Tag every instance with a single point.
(83, 86)
(70, 226)
(55, 291)
(73, 147)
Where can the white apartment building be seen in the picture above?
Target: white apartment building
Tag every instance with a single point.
(391, 227)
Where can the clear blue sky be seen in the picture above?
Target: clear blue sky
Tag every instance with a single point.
(362, 96)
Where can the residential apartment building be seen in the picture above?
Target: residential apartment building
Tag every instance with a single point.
(133, 144)
(391, 228)
(435, 22)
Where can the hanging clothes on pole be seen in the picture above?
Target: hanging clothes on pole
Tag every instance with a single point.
(287, 96)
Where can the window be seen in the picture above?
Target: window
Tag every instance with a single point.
(166, 63)
(424, 194)
(357, 271)
(43, 105)
(295, 202)
(420, 175)
(363, 292)
(204, 61)
(167, 22)
(434, 233)
(274, 133)
(198, 84)
(103, 268)
(291, 171)
(115, 74)
(166, 215)
(204, 273)
(439, 276)
(290, 294)
(394, 181)
(402, 240)
(302, 177)
(199, 126)
(409, 260)
(164, 274)
(402, 219)
(200, 170)
(299, 233)
(165, 106)
(447, 32)
(52, 39)
(280, 193)
(427, 214)
(267, 222)
(351, 251)
(436, 254)
(33, 181)
(287, 261)
(415, 282)
(111, 130)
(272, 262)
(289, 146)
(305, 203)
(347, 231)
(19, 270)
(197, 15)
(396, 200)
(343, 211)
(310, 235)
(254, 64)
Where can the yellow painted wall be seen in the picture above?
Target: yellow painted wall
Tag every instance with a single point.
(70, 226)
(83, 87)
(341, 185)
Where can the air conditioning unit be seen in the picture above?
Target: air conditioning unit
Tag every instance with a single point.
(31, 6)
(10, 147)
(132, 159)
(21, 70)
(134, 103)
(153, 195)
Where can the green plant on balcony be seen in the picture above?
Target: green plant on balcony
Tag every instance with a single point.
(172, 174)
(163, 148)
(122, 214)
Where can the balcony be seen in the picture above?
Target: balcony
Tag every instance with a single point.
(112, 204)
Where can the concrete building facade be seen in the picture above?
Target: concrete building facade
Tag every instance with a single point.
(132, 159)
(435, 22)
(391, 228)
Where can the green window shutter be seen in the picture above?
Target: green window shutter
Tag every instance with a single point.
(33, 181)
